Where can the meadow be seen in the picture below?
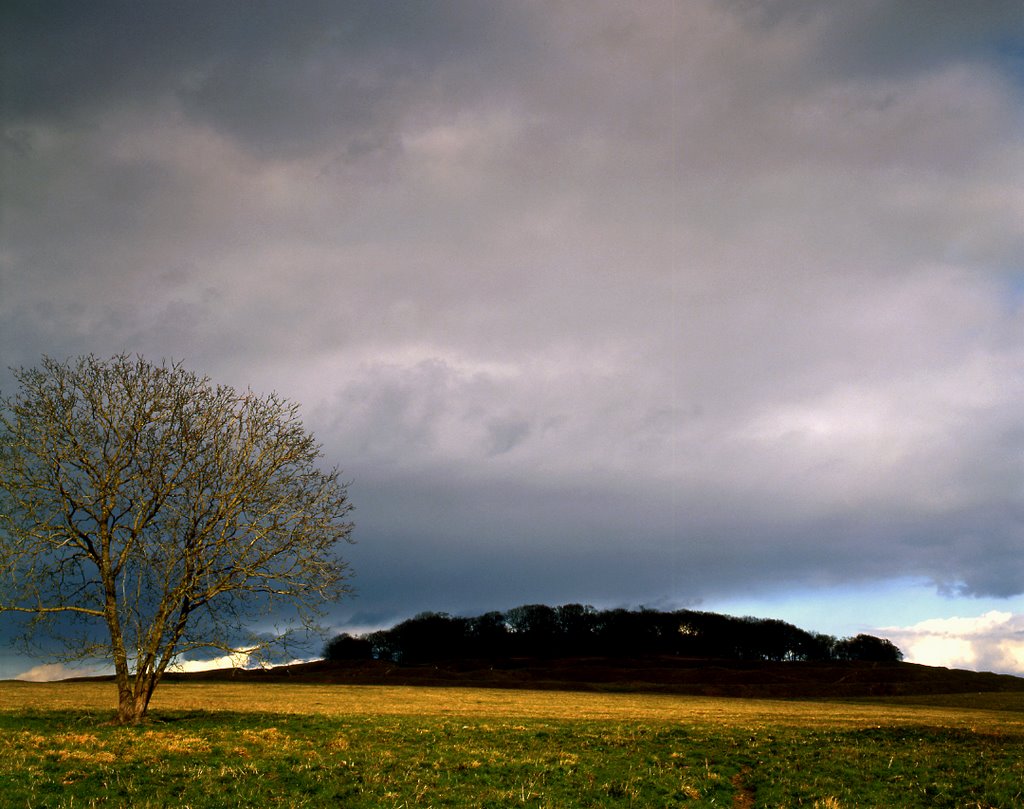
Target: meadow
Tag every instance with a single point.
(254, 745)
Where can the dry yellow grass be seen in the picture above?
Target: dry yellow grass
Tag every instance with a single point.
(238, 744)
(999, 710)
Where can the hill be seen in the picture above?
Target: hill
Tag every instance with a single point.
(664, 674)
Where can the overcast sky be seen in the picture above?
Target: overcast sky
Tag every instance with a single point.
(705, 303)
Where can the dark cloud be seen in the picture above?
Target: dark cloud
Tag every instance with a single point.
(508, 542)
(281, 78)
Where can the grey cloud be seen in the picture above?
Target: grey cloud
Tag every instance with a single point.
(281, 78)
(616, 546)
(886, 39)
(684, 499)
(505, 435)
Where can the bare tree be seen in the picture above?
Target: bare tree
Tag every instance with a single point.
(146, 513)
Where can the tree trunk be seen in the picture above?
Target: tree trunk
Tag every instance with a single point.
(133, 696)
(131, 708)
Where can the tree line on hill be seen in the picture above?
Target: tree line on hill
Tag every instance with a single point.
(575, 630)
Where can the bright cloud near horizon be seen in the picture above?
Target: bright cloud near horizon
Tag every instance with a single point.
(688, 302)
(993, 641)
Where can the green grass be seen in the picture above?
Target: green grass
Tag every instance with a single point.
(225, 745)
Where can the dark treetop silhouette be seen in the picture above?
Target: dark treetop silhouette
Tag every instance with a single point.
(537, 630)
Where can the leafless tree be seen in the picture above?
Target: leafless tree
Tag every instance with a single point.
(146, 513)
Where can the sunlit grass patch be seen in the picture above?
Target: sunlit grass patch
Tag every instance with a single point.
(490, 703)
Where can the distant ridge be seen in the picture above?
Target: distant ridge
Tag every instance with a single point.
(669, 675)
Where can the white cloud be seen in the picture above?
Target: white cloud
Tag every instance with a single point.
(993, 641)
(49, 672)
(240, 659)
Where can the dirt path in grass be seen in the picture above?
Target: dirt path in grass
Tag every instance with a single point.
(744, 797)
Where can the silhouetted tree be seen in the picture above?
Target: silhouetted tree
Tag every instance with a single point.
(487, 635)
(428, 636)
(575, 625)
(623, 633)
(534, 630)
(819, 647)
(774, 640)
(868, 648)
(382, 646)
(348, 647)
(709, 634)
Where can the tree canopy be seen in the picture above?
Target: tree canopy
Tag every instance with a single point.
(146, 513)
(537, 630)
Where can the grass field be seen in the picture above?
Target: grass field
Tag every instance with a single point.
(233, 745)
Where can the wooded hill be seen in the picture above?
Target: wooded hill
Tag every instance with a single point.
(574, 630)
(576, 647)
(579, 648)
